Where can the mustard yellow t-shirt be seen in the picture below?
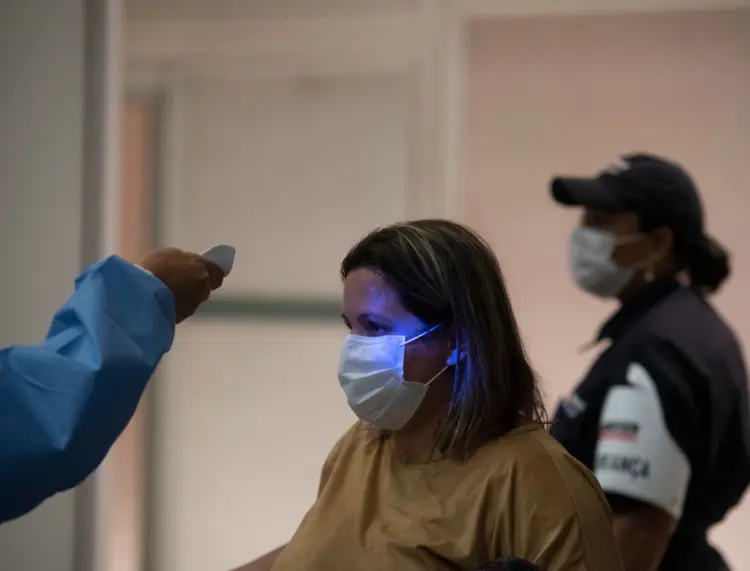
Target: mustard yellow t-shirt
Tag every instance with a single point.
(519, 496)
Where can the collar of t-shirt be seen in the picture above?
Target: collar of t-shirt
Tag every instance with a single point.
(636, 308)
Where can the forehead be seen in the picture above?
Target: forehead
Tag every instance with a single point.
(367, 292)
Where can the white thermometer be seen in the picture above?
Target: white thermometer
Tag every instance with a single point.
(222, 255)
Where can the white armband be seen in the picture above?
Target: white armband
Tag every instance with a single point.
(636, 456)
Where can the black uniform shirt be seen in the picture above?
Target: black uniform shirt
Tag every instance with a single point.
(662, 417)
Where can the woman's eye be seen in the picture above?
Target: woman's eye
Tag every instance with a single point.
(375, 329)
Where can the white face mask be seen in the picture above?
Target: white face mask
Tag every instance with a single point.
(591, 261)
(371, 373)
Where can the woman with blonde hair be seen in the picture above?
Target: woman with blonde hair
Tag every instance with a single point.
(450, 466)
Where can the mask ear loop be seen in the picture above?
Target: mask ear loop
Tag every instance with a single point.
(423, 334)
(440, 372)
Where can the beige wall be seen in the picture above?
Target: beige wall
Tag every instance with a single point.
(41, 112)
(52, 163)
(292, 173)
(567, 95)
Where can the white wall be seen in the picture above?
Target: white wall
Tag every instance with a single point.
(290, 171)
(53, 168)
(41, 158)
(293, 174)
(568, 95)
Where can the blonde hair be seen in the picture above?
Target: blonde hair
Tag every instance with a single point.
(448, 275)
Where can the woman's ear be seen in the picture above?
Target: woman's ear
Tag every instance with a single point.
(458, 354)
(453, 357)
(458, 348)
(663, 240)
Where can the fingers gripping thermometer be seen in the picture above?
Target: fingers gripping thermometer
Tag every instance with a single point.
(222, 255)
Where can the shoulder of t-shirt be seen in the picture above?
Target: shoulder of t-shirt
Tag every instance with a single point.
(690, 322)
(355, 436)
(664, 356)
(534, 479)
(546, 469)
(680, 352)
(690, 352)
(687, 335)
(678, 377)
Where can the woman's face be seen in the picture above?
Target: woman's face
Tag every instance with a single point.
(620, 225)
(651, 247)
(372, 308)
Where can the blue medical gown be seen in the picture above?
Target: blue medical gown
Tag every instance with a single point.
(64, 403)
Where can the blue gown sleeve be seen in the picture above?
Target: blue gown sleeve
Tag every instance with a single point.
(65, 402)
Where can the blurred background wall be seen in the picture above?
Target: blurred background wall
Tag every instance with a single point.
(55, 160)
(290, 128)
(41, 111)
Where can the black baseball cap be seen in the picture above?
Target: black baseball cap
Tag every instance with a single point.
(657, 189)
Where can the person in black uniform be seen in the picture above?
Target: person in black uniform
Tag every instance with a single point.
(662, 416)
